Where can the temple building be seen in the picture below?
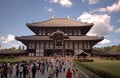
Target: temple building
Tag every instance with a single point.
(59, 36)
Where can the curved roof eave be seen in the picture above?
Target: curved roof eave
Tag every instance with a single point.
(59, 22)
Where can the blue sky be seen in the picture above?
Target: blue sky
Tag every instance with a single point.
(14, 14)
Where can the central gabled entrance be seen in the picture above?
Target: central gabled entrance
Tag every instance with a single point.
(48, 52)
(58, 42)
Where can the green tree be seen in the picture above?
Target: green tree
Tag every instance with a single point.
(108, 48)
(8, 49)
(115, 48)
(23, 48)
(19, 48)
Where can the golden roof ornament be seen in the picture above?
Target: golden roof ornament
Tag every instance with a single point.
(68, 16)
(53, 17)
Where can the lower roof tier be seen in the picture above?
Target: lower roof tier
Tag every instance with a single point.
(37, 37)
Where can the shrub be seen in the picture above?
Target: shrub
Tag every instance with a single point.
(84, 60)
(12, 57)
(118, 58)
(1, 57)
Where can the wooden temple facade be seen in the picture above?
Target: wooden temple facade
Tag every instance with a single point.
(59, 36)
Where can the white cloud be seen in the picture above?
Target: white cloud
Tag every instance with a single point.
(101, 22)
(66, 3)
(9, 39)
(105, 41)
(50, 9)
(101, 10)
(83, 0)
(1, 38)
(20, 42)
(93, 1)
(14, 45)
(113, 8)
(55, 1)
(118, 41)
(118, 20)
(117, 30)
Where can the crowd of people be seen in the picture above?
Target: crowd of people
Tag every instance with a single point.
(53, 67)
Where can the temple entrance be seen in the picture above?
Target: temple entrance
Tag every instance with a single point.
(58, 52)
(48, 52)
(69, 52)
(58, 41)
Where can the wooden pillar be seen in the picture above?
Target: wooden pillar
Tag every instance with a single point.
(91, 50)
(63, 49)
(34, 48)
(53, 48)
(82, 45)
(73, 47)
(44, 48)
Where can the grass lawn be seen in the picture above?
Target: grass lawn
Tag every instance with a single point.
(88, 72)
(19, 59)
(109, 66)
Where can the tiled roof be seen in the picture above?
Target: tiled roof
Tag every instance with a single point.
(59, 22)
(85, 38)
(36, 37)
(13, 52)
(106, 53)
(58, 32)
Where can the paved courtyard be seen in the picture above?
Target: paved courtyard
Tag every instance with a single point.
(60, 75)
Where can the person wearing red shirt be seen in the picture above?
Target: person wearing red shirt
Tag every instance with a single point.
(69, 74)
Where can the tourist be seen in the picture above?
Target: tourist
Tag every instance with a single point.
(56, 72)
(43, 68)
(64, 66)
(47, 66)
(33, 71)
(6, 70)
(0, 65)
(60, 68)
(77, 74)
(10, 70)
(39, 66)
(17, 71)
(69, 74)
(24, 70)
(73, 69)
(21, 70)
(2, 70)
(51, 73)
(29, 70)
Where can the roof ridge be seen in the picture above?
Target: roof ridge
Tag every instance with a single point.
(60, 22)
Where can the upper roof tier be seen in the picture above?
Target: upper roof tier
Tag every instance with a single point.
(37, 37)
(93, 39)
(59, 22)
